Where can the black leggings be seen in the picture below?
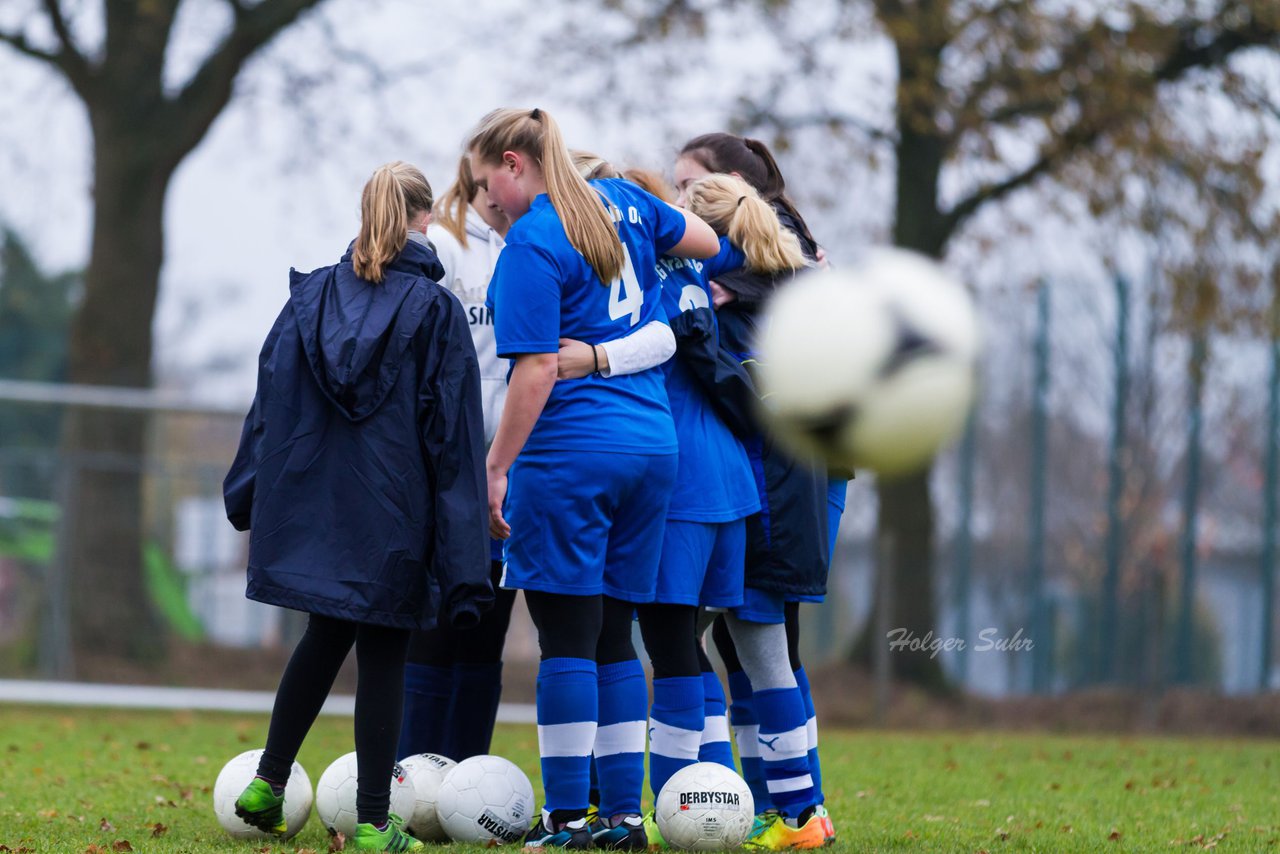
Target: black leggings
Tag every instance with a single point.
(592, 627)
(729, 653)
(445, 646)
(670, 638)
(307, 680)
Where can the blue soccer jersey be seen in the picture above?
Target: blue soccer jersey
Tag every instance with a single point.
(543, 290)
(714, 482)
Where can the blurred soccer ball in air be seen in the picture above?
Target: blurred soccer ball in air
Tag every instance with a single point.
(704, 807)
(871, 366)
(237, 774)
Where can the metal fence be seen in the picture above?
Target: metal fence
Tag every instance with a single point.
(1102, 503)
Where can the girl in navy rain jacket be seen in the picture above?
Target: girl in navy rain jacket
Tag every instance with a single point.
(360, 476)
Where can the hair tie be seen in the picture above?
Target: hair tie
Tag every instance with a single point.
(741, 199)
(535, 114)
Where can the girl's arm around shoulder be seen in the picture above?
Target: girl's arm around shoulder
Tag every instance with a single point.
(699, 240)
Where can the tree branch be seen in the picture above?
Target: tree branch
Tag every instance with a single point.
(757, 117)
(1191, 52)
(193, 109)
(19, 42)
(59, 24)
(1049, 159)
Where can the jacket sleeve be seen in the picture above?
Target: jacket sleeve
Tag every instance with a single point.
(237, 486)
(453, 443)
(719, 373)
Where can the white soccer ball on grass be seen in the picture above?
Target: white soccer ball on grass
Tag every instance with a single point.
(426, 771)
(705, 807)
(336, 795)
(485, 799)
(237, 774)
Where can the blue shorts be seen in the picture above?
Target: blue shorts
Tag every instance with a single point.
(762, 606)
(702, 563)
(587, 522)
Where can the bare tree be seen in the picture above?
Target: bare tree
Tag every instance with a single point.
(993, 97)
(141, 133)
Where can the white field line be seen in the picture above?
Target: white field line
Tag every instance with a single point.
(195, 699)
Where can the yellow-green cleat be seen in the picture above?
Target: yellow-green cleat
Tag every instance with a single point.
(772, 832)
(393, 839)
(652, 833)
(258, 806)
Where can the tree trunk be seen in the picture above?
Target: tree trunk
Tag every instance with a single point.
(906, 511)
(111, 345)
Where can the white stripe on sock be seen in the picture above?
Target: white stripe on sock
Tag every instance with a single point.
(748, 747)
(715, 729)
(812, 730)
(566, 739)
(625, 737)
(792, 784)
(673, 742)
(791, 744)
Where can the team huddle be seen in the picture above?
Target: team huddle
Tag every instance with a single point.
(542, 382)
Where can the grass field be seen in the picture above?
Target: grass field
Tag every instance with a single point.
(105, 781)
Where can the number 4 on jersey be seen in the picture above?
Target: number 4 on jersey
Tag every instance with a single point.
(625, 294)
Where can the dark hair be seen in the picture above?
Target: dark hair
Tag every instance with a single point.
(750, 158)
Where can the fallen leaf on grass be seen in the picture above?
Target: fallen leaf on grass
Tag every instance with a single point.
(158, 830)
(143, 745)
(121, 845)
(47, 813)
(1002, 834)
(1066, 828)
(1115, 836)
(106, 826)
(93, 849)
(337, 842)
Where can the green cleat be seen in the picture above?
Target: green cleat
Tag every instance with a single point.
(369, 838)
(652, 833)
(262, 808)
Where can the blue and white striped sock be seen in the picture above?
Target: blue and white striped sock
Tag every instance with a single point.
(715, 746)
(811, 729)
(675, 727)
(784, 749)
(567, 714)
(619, 742)
(746, 730)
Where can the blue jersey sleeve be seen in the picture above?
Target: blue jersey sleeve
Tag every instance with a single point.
(728, 259)
(525, 297)
(669, 225)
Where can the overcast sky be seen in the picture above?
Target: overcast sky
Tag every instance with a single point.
(276, 183)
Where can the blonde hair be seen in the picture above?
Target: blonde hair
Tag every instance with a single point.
(592, 166)
(395, 194)
(735, 210)
(451, 209)
(651, 182)
(582, 212)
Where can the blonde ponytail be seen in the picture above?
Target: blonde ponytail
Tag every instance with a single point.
(735, 210)
(582, 211)
(396, 193)
(592, 166)
(451, 209)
